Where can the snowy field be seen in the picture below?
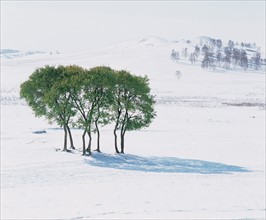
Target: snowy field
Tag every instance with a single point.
(202, 158)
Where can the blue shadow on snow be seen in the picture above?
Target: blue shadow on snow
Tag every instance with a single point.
(160, 164)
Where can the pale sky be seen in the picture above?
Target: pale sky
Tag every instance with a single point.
(79, 25)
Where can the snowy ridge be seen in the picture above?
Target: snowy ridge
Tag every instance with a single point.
(149, 42)
(207, 102)
(152, 41)
(11, 54)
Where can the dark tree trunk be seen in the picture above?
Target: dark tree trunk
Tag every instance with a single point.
(83, 142)
(89, 145)
(65, 138)
(116, 125)
(123, 141)
(98, 136)
(70, 138)
(116, 148)
(122, 134)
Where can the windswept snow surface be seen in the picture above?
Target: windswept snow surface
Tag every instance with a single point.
(11, 54)
(202, 158)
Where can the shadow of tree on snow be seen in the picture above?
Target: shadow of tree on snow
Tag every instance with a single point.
(160, 164)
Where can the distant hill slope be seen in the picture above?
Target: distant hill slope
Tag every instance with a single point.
(216, 53)
(204, 51)
(10, 53)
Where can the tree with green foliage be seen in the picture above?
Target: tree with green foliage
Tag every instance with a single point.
(47, 97)
(81, 89)
(88, 99)
(133, 106)
(90, 95)
(103, 81)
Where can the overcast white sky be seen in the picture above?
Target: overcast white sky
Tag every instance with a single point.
(76, 25)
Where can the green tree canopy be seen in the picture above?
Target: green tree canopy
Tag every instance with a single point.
(47, 93)
(133, 106)
(87, 99)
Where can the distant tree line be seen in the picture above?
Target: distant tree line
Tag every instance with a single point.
(72, 96)
(213, 54)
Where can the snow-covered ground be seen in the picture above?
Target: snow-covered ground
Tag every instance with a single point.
(10, 54)
(202, 158)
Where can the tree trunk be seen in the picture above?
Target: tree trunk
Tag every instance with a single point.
(65, 138)
(116, 125)
(89, 145)
(70, 138)
(123, 141)
(83, 141)
(116, 148)
(122, 134)
(98, 136)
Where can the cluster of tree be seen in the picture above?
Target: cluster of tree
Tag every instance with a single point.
(72, 96)
(175, 55)
(229, 56)
(249, 45)
(215, 43)
(213, 54)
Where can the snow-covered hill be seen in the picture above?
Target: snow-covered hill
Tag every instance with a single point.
(11, 54)
(203, 157)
